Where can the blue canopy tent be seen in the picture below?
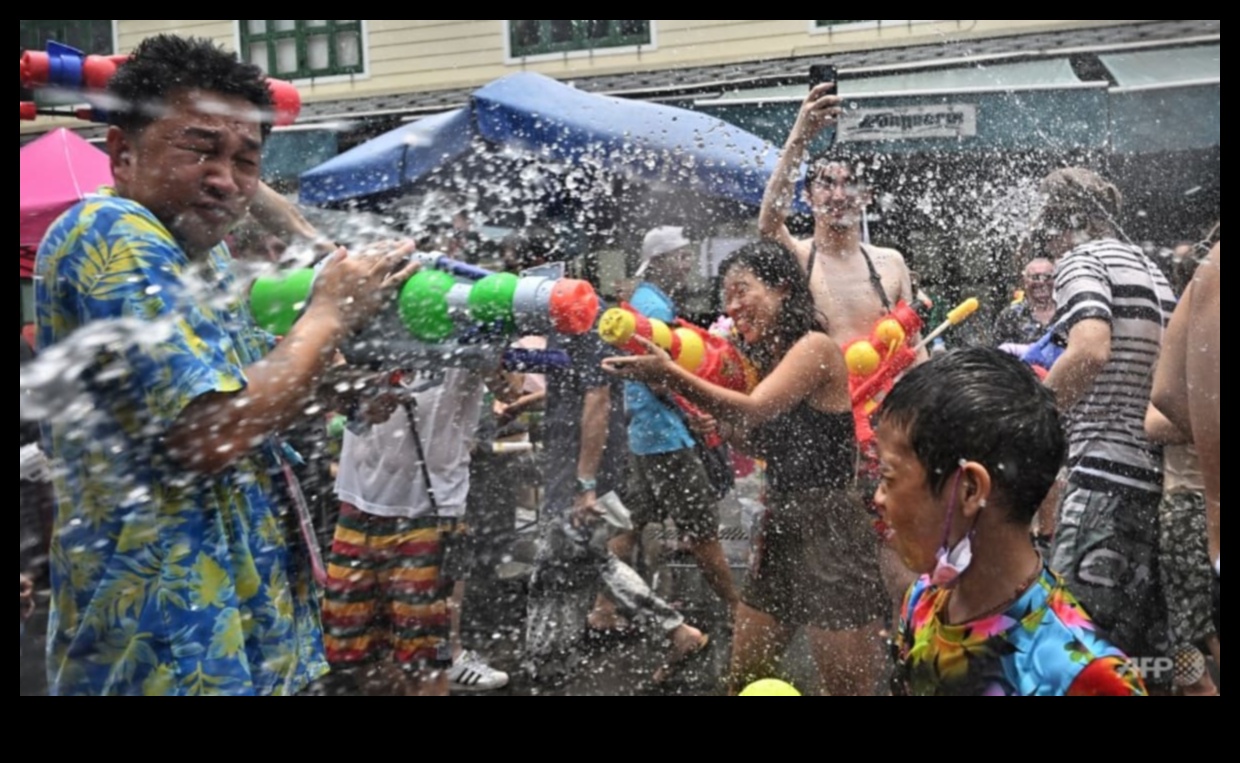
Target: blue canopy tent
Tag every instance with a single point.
(572, 139)
(389, 161)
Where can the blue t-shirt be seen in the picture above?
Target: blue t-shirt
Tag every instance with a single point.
(655, 428)
(163, 582)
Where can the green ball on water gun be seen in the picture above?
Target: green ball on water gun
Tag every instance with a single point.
(278, 301)
(424, 307)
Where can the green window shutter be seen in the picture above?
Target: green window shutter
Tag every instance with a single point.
(528, 37)
(300, 49)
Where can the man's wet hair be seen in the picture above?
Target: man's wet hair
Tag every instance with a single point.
(820, 162)
(986, 406)
(165, 64)
(1079, 199)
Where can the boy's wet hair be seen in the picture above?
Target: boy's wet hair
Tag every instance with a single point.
(164, 64)
(986, 406)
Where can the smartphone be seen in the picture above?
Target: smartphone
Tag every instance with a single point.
(820, 73)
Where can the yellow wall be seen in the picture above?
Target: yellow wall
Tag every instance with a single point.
(420, 55)
(405, 56)
(129, 32)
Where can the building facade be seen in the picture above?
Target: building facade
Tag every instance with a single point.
(334, 59)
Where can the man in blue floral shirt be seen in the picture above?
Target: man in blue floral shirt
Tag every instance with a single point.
(173, 568)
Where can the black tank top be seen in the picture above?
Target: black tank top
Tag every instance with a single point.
(808, 449)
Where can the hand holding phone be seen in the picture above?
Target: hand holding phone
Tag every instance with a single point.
(822, 106)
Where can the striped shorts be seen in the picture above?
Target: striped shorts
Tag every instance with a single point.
(386, 598)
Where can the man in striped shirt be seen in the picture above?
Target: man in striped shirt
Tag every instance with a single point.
(1113, 303)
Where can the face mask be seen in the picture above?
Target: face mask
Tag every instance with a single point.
(952, 563)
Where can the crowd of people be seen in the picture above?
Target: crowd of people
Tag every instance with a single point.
(1040, 517)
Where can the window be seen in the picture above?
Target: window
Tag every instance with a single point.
(303, 49)
(89, 36)
(536, 37)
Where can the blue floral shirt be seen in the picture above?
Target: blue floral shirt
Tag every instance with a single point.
(163, 582)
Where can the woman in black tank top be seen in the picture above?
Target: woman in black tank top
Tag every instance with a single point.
(816, 562)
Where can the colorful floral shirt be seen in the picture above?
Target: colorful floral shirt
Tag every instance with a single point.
(1044, 645)
(163, 582)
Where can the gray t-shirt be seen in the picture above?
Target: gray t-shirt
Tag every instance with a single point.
(1114, 282)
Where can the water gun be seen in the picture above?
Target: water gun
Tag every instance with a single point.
(434, 304)
(874, 363)
(67, 68)
(694, 349)
(1043, 355)
(444, 321)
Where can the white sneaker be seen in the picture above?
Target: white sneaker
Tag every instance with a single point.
(472, 674)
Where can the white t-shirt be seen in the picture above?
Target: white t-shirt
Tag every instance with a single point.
(380, 472)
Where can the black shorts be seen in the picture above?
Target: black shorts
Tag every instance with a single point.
(816, 562)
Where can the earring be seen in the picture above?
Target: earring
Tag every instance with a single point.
(981, 504)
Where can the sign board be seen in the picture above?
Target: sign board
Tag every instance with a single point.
(909, 122)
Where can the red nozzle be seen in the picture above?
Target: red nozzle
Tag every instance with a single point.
(97, 70)
(285, 102)
(34, 67)
(574, 306)
(28, 111)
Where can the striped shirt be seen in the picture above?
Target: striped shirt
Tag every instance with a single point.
(1114, 282)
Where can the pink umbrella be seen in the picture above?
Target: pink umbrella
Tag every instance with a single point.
(57, 170)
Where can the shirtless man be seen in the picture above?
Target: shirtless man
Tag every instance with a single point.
(854, 284)
(841, 278)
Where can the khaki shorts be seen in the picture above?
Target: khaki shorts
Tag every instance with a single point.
(816, 562)
(673, 486)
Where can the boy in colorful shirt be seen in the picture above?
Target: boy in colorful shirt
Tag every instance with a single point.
(970, 445)
(171, 568)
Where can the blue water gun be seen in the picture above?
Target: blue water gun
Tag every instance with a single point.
(1043, 355)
